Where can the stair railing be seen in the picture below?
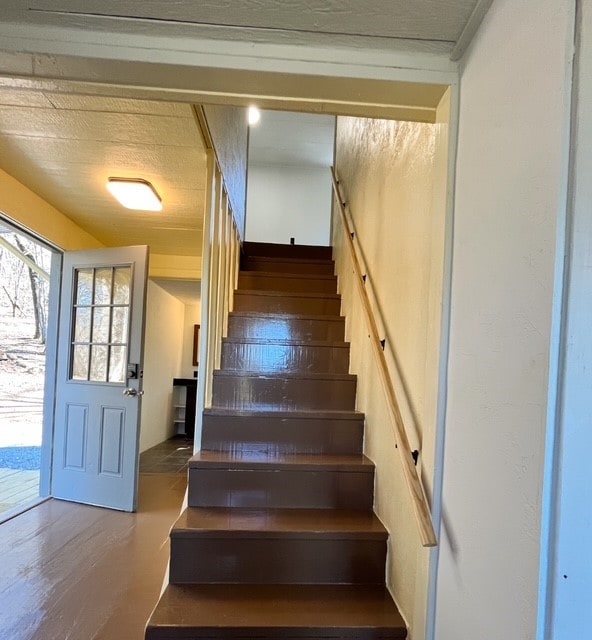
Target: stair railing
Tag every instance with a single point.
(220, 256)
(412, 479)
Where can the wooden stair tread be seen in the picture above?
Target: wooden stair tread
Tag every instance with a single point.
(312, 415)
(273, 523)
(269, 612)
(291, 375)
(320, 261)
(288, 343)
(287, 294)
(250, 460)
(274, 315)
(287, 275)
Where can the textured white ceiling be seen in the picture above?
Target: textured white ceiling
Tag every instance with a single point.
(64, 147)
(436, 20)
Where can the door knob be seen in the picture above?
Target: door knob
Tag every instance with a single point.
(132, 393)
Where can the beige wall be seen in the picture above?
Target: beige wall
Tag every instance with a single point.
(165, 318)
(27, 209)
(506, 276)
(394, 179)
(229, 131)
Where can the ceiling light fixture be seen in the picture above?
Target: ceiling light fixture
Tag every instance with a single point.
(135, 193)
(254, 115)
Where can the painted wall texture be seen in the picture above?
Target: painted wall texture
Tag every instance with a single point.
(289, 202)
(389, 172)
(26, 208)
(229, 130)
(509, 189)
(165, 318)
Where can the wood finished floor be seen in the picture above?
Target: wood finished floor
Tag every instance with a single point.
(73, 572)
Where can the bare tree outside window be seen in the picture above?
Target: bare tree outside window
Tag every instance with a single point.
(24, 291)
(23, 273)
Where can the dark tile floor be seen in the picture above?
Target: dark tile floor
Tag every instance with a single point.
(170, 456)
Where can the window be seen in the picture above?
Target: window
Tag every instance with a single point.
(100, 324)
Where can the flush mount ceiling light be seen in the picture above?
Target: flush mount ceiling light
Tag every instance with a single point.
(135, 193)
(254, 115)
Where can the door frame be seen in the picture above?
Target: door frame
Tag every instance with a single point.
(50, 355)
(51, 359)
(51, 366)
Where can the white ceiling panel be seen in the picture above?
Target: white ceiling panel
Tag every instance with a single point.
(431, 26)
(98, 126)
(437, 20)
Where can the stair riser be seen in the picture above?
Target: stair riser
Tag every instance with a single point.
(285, 328)
(273, 358)
(276, 561)
(243, 434)
(300, 251)
(283, 394)
(286, 304)
(280, 283)
(280, 489)
(281, 266)
(237, 633)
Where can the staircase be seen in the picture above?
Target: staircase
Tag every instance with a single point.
(279, 539)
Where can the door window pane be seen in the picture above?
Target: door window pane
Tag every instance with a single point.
(117, 364)
(84, 286)
(103, 285)
(122, 280)
(101, 324)
(98, 363)
(100, 318)
(119, 325)
(80, 362)
(82, 326)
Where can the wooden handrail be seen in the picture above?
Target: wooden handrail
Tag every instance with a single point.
(416, 490)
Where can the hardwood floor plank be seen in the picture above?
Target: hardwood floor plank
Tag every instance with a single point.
(86, 573)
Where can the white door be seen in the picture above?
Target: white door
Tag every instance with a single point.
(99, 377)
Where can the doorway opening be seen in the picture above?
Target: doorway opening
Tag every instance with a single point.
(25, 266)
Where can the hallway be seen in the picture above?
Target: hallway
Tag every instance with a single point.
(86, 573)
